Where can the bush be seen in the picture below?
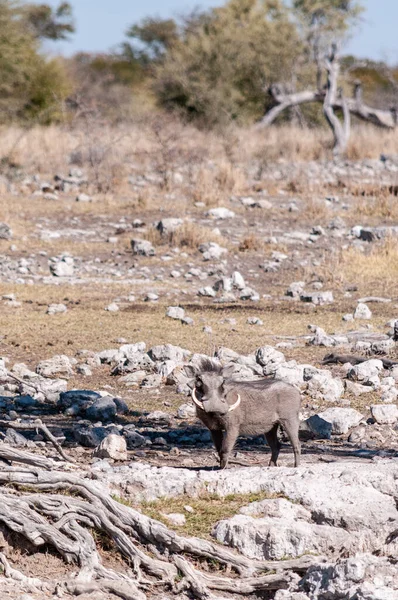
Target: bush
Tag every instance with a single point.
(219, 66)
(30, 86)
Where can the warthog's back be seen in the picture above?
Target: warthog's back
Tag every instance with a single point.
(264, 402)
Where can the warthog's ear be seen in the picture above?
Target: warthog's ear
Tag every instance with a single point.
(228, 370)
(189, 371)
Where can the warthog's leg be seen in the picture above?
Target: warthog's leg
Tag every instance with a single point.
(217, 436)
(275, 445)
(227, 445)
(291, 428)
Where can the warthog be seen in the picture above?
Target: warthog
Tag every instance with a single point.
(244, 408)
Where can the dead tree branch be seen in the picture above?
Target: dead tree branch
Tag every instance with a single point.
(332, 101)
(38, 425)
(62, 510)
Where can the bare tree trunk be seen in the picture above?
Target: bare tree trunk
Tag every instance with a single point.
(340, 130)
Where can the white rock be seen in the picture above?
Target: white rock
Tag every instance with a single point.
(269, 358)
(342, 419)
(364, 372)
(175, 312)
(290, 372)
(113, 307)
(113, 446)
(322, 386)
(238, 281)
(177, 519)
(385, 414)
(62, 266)
(169, 225)
(83, 198)
(277, 539)
(59, 365)
(54, 309)
(363, 577)
(362, 311)
(220, 213)
(212, 251)
(207, 291)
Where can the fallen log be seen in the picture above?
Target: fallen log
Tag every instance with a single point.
(332, 358)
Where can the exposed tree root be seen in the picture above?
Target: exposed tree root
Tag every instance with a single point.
(62, 510)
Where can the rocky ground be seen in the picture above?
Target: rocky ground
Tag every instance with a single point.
(105, 297)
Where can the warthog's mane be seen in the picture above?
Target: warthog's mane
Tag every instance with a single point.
(207, 365)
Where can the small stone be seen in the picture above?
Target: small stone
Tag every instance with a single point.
(83, 198)
(385, 414)
(151, 297)
(186, 411)
(188, 321)
(220, 213)
(254, 321)
(142, 247)
(170, 225)
(113, 307)
(84, 370)
(5, 232)
(54, 309)
(362, 311)
(207, 291)
(176, 519)
(62, 266)
(113, 446)
(175, 312)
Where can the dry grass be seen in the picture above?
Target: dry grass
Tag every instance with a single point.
(378, 266)
(208, 509)
(252, 243)
(215, 164)
(188, 237)
(316, 210)
(381, 207)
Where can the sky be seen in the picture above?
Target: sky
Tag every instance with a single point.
(101, 24)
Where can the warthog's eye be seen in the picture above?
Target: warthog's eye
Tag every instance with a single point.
(199, 384)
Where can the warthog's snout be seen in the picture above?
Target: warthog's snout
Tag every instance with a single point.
(214, 405)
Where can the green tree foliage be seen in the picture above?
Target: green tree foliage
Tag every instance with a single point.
(30, 86)
(50, 23)
(152, 38)
(218, 67)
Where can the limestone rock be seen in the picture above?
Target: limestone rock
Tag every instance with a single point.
(62, 266)
(362, 311)
(57, 366)
(169, 225)
(113, 446)
(220, 213)
(142, 247)
(175, 312)
(341, 419)
(385, 414)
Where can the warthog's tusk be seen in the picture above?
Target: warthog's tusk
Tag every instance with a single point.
(197, 402)
(235, 405)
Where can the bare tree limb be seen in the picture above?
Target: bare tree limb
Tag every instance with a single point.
(38, 425)
(385, 119)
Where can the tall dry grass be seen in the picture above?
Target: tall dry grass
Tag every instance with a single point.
(374, 269)
(215, 164)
